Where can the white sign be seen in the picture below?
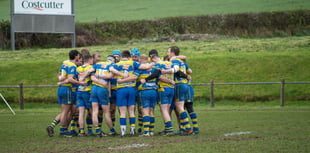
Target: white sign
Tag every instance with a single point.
(58, 7)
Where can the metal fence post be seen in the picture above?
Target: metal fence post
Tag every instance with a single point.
(21, 96)
(212, 93)
(282, 92)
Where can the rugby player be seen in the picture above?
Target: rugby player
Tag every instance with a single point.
(181, 89)
(126, 90)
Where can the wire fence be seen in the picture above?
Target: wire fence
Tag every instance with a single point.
(211, 84)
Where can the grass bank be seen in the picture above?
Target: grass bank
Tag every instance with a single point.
(223, 60)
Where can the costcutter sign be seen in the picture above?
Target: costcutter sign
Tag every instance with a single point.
(58, 7)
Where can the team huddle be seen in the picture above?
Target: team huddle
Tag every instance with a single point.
(91, 90)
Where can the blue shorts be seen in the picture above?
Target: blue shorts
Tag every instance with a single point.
(74, 98)
(166, 96)
(190, 94)
(180, 92)
(126, 96)
(113, 97)
(99, 95)
(148, 98)
(64, 95)
(83, 99)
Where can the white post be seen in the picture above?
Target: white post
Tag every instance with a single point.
(7, 104)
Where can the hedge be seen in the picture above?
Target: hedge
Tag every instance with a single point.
(264, 24)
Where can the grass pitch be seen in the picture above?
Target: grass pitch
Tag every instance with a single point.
(248, 128)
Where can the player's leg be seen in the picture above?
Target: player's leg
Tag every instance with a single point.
(64, 99)
(131, 109)
(181, 93)
(121, 102)
(74, 120)
(152, 97)
(146, 114)
(83, 98)
(113, 106)
(140, 114)
(95, 108)
(50, 128)
(65, 109)
(81, 120)
(104, 102)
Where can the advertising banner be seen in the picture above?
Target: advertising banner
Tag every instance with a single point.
(51, 7)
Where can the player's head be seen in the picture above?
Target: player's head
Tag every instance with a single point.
(88, 59)
(173, 51)
(117, 55)
(79, 61)
(153, 53)
(96, 58)
(111, 58)
(135, 54)
(143, 58)
(74, 55)
(125, 54)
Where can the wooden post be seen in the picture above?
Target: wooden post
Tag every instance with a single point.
(21, 96)
(212, 93)
(282, 92)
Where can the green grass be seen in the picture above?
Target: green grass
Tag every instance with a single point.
(273, 129)
(223, 60)
(105, 10)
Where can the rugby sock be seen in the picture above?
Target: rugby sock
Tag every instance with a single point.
(72, 127)
(89, 123)
(62, 129)
(184, 121)
(132, 122)
(54, 123)
(194, 119)
(73, 123)
(122, 121)
(100, 119)
(113, 120)
(146, 124)
(140, 121)
(152, 123)
(97, 129)
(112, 130)
(168, 126)
(82, 131)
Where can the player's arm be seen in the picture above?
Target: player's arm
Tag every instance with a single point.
(174, 69)
(116, 72)
(62, 82)
(166, 80)
(72, 80)
(179, 56)
(110, 94)
(83, 75)
(128, 79)
(96, 80)
(146, 66)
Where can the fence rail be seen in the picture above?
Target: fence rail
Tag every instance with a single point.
(211, 84)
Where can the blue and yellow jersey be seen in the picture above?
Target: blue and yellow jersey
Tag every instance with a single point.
(165, 65)
(151, 84)
(113, 84)
(182, 68)
(127, 66)
(80, 70)
(100, 69)
(66, 69)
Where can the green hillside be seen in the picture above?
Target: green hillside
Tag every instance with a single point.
(106, 10)
(223, 60)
